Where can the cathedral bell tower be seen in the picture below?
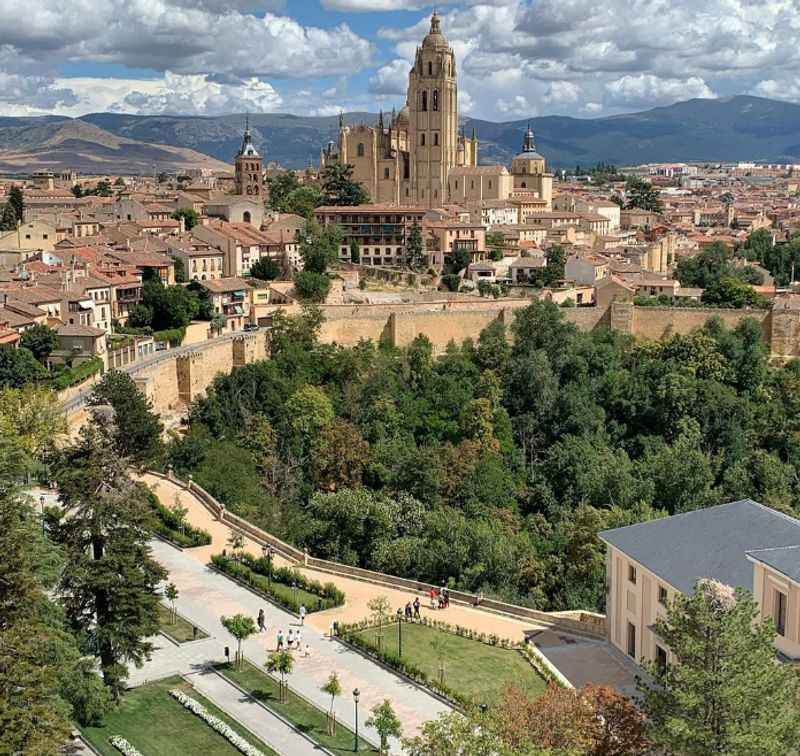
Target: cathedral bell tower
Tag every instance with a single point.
(433, 116)
(249, 167)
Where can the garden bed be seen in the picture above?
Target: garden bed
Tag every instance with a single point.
(305, 716)
(155, 724)
(179, 631)
(476, 668)
(171, 528)
(254, 573)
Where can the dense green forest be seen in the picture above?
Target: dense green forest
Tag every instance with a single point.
(494, 465)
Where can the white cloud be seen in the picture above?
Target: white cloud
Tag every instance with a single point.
(646, 89)
(391, 79)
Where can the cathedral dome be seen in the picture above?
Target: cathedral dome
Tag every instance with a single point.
(435, 38)
(528, 148)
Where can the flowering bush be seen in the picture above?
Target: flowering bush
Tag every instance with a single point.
(123, 746)
(233, 737)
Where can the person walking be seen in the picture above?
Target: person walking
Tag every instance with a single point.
(302, 614)
(261, 624)
(298, 639)
(408, 610)
(280, 640)
(433, 598)
(416, 607)
(290, 638)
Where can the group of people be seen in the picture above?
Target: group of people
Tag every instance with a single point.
(440, 599)
(293, 641)
(411, 610)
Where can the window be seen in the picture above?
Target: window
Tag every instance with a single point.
(661, 658)
(472, 184)
(490, 183)
(435, 99)
(44, 236)
(436, 139)
(662, 595)
(779, 612)
(430, 71)
(422, 139)
(27, 236)
(632, 574)
(424, 100)
(386, 173)
(246, 216)
(360, 149)
(406, 191)
(631, 640)
(524, 185)
(435, 193)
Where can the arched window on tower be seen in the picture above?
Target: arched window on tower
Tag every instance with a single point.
(246, 217)
(436, 99)
(422, 139)
(360, 149)
(424, 105)
(430, 69)
(436, 139)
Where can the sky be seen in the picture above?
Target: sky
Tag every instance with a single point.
(516, 58)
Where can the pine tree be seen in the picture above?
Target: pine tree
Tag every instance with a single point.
(16, 201)
(338, 187)
(109, 581)
(725, 693)
(415, 247)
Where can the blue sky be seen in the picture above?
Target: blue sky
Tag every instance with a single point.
(516, 58)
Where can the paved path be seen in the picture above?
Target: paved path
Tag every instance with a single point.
(256, 718)
(358, 592)
(205, 595)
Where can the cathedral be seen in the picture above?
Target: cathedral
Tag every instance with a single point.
(419, 156)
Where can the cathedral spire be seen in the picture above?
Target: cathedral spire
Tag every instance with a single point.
(247, 149)
(527, 144)
(380, 120)
(341, 120)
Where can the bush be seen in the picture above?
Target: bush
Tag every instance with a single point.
(451, 281)
(168, 526)
(255, 571)
(173, 335)
(75, 375)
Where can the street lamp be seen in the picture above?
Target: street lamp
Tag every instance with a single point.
(268, 552)
(400, 632)
(356, 694)
(294, 591)
(41, 504)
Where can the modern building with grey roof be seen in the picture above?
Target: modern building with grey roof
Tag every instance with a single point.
(742, 544)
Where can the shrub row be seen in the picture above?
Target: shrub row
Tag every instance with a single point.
(75, 375)
(279, 590)
(170, 527)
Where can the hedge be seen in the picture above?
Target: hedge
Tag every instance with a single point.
(255, 573)
(75, 375)
(173, 335)
(170, 528)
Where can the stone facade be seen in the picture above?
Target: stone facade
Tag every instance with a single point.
(249, 169)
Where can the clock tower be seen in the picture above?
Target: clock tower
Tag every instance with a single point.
(249, 175)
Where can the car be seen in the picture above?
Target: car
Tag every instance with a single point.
(251, 327)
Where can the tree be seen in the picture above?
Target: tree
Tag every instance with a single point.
(109, 582)
(180, 270)
(338, 187)
(451, 281)
(281, 662)
(453, 734)
(16, 201)
(303, 201)
(280, 186)
(642, 194)
(241, 627)
(119, 181)
(171, 595)
(732, 292)
(312, 287)
(333, 688)
(439, 645)
(235, 543)
(77, 190)
(40, 340)
(461, 258)
(319, 247)
(31, 418)
(415, 247)
(18, 367)
(8, 219)
(265, 269)
(103, 188)
(386, 723)
(355, 252)
(380, 607)
(189, 215)
(556, 262)
(496, 244)
(137, 429)
(723, 691)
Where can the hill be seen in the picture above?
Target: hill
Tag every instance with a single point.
(31, 144)
(729, 129)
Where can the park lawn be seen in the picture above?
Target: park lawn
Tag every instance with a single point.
(155, 724)
(473, 669)
(181, 630)
(303, 715)
(310, 600)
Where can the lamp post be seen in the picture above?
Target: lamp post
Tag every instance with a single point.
(294, 591)
(268, 551)
(41, 504)
(400, 632)
(356, 694)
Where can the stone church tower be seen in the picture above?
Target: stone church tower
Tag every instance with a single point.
(249, 176)
(409, 161)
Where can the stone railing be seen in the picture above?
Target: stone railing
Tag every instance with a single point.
(578, 622)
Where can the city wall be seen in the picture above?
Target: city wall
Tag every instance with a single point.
(174, 379)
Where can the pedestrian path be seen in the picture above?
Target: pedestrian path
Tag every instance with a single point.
(256, 718)
(204, 596)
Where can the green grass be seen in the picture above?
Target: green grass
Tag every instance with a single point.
(154, 723)
(180, 631)
(304, 716)
(473, 669)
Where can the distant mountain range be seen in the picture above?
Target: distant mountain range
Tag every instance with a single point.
(734, 128)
